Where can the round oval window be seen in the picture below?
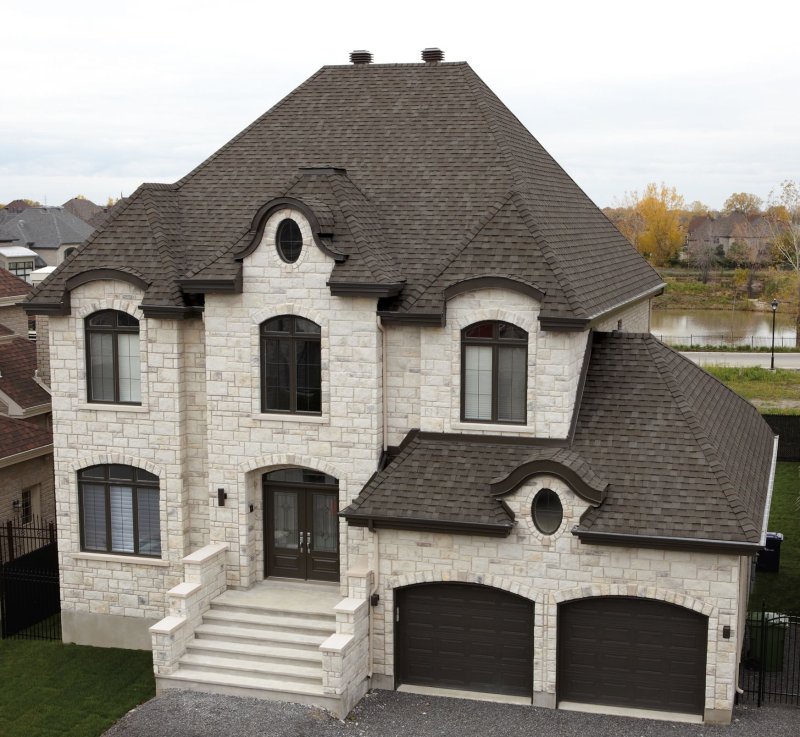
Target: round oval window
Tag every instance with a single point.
(547, 511)
(289, 241)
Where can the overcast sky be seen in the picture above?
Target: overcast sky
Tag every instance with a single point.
(703, 95)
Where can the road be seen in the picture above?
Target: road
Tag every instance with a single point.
(741, 358)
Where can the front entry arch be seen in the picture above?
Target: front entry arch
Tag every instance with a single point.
(301, 524)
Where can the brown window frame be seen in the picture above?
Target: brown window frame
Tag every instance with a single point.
(114, 330)
(294, 338)
(495, 342)
(107, 481)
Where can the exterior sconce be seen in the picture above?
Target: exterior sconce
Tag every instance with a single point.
(221, 497)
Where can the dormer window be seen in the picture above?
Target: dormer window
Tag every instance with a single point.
(289, 240)
(494, 371)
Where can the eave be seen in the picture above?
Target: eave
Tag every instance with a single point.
(455, 528)
(663, 542)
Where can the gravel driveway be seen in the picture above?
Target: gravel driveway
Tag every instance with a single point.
(392, 714)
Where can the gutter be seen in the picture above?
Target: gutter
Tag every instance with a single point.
(663, 541)
(768, 503)
(26, 455)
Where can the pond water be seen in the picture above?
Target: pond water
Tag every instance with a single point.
(718, 327)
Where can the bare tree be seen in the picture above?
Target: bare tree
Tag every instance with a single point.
(784, 222)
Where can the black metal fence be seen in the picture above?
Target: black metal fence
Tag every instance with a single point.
(728, 339)
(770, 670)
(30, 604)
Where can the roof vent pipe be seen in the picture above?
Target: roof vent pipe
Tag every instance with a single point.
(432, 55)
(360, 57)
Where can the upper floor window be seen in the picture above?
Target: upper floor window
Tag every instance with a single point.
(291, 371)
(112, 358)
(289, 240)
(119, 510)
(22, 269)
(494, 370)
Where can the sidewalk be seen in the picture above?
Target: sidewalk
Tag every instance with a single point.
(742, 358)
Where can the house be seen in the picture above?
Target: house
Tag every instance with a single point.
(19, 260)
(52, 233)
(753, 232)
(368, 399)
(26, 440)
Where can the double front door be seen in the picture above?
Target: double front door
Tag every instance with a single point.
(301, 529)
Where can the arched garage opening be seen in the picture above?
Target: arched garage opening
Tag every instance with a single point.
(629, 652)
(464, 636)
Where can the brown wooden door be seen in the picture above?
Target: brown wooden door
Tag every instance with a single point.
(301, 532)
(630, 652)
(464, 636)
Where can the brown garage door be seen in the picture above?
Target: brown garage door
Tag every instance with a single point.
(632, 652)
(464, 636)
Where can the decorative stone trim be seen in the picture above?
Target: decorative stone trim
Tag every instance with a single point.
(290, 308)
(519, 319)
(128, 306)
(536, 484)
(497, 582)
(641, 592)
(271, 229)
(274, 461)
(101, 459)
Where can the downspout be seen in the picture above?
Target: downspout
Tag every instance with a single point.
(374, 530)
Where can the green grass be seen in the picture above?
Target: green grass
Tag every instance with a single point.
(54, 690)
(781, 591)
(770, 391)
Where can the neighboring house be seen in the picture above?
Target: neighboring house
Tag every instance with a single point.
(368, 399)
(51, 232)
(83, 208)
(26, 472)
(26, 440)
(19, 260)
(721, 232)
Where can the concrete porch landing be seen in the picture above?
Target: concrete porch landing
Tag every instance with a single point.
(299, 597)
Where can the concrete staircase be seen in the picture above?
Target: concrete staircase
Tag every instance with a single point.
(262, 643)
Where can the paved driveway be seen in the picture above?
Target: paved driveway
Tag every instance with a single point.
(392, 714)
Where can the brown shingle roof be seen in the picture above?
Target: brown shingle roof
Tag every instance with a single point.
(19, 436)
(13, 286)
(430, 155)
(17, 366)
(682, 455)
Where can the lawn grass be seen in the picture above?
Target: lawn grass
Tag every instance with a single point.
(54, 690)
(781, 591)
(767, 390)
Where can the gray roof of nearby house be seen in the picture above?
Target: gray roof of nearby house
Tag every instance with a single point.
(660, 449)
(82, 208)
(44, 228)
(415, 176)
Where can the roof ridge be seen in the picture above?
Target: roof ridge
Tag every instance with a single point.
(520, 181)
(471, 234)
(186, 177)
(703, 441)
(368, 253)
(153, 214)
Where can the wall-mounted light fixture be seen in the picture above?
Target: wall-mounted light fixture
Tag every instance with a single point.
(726, 632)
(221, 497)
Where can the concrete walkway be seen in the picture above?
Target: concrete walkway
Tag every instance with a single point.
(742, 358)
(393, 714)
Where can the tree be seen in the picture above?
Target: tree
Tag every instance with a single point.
(784, 224)
(663, 234)
(744, 202)
(703, 256)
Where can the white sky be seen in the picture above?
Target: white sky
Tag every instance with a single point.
(703, 95)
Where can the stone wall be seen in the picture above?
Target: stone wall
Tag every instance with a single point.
(14, 318)
(243, 443)
(112, 599)
(632, 319)
(554, 569)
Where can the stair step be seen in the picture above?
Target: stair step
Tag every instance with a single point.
(299, 674)
(250, 681)
(277, 608)
(249, 635)
(271, 621)
(253, 651)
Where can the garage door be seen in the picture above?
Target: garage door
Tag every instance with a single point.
(464, 636)
(632, 652)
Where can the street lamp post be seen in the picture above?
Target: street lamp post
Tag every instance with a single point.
(774, 310)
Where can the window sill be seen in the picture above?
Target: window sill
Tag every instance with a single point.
(494, 427)
(312, 419)
(113, 407)
(130, 559)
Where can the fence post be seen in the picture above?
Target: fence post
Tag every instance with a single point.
(10, 531)
(52, 527)
(763, 654)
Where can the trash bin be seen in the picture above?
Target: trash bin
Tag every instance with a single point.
(769, 559)
(773, 631)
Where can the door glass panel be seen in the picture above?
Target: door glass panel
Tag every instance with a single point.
(325, 532)
(286, 530)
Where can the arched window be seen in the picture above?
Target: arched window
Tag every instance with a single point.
(119, 510)
(291, 371)
(112, 358)
(494, 371)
